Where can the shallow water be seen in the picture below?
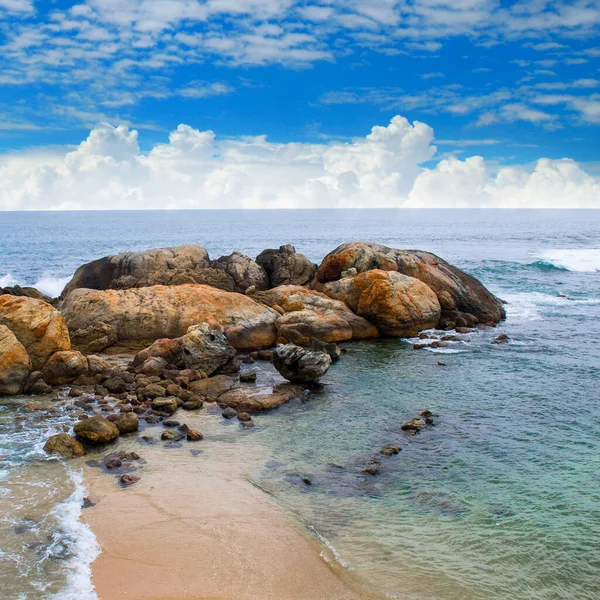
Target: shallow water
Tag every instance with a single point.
(500, 499)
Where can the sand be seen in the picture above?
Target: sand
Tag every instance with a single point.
(180, 535)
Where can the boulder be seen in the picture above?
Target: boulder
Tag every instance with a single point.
(166, 405)
(166, 266)
(286, 267)
(65, 367)
(169, 350)
(213, 387)
(307, 314)
(151, 313)
(27, 292)
(153, 366)
(299, 365)
(96, 430)
(15, 365)
(243, 271)
(455, 289)
(127, 423)
(94, 338)
(207, 349)
(64, 445)
(249, 401)
(98, 365)
(396, 304)
(37, 325)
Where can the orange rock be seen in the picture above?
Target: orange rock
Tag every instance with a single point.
(15, 365)
(155, 312)
(396, 304)
(37, 325)
(309, 314)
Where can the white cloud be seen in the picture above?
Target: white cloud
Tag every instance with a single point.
(195, 169)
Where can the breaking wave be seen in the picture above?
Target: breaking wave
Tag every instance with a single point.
(584, 260)
(47, 284)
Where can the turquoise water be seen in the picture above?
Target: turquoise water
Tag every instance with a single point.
(501, 498)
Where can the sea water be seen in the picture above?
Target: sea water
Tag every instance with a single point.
(500, 499)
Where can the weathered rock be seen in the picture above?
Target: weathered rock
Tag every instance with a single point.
(456, 290)
(156, 312)
(126, 479)
(127, 423)
(330, 348)
(64, 367)
(396, 304)
(248, 377)
(152, 391)
(389, 450)
(115, 385)
(307, 314)
(96, 430)
(95, 338)
(170, 351)
(207, 349)
(228, 413)
(244, 417)
(501, 339)
(15, 365)
(165, 405)
(65, 445)
(165, 266)
(373, 467)
(172, 435)
(213, 387)
(27, 292)
(193, 435)
(258, 401)
(194, 403)
(286, 267)
(413, 426)
(299, 365)
(243, 271)
(37, 325)
(97, 365)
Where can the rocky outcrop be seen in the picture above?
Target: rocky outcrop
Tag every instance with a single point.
(95, 338)
(38, 326)
(96, 430)
(299, 365)
(456, 291)
(243, 271)
(159, 266)
(64, 445)
(156, 312)
(65, 367)
(15, 365)
(396, 304)
(208, 350)
(213, 387)
(307, 315)
(286, 267)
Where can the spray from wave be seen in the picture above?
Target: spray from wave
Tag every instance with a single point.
(47, 284)
(582, 260)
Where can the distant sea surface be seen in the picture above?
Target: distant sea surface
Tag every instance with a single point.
(500, 499)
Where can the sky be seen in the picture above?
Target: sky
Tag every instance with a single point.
(299, 104)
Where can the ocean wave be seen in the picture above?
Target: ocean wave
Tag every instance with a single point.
(47, 284)
(528, 306)
(581, 260)
(82, 543)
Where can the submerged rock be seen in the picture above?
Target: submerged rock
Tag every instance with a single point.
(64, 445)
(96, 430)
(413, 426)
(299, 365)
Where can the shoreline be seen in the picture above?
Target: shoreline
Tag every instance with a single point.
(178, 535)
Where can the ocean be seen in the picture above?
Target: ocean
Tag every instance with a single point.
(500, 499)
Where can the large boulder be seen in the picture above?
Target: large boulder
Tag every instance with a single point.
(396, 304)
(207, 349)
(243, 271)
(308, 315)
(156, 312)
(64, 445)
(65, 367)
(15, 365)
(285, 266)
(456, 290)
(37, 325)
(96, 430)
(166, 266)
(299, 365)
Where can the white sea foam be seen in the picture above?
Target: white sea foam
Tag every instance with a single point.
(48, 284)
(580, 260)
(82, 544)
(528, 306)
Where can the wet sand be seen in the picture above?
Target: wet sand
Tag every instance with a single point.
(181, 534)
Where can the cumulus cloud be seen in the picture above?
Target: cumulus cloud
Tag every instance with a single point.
(196, 169)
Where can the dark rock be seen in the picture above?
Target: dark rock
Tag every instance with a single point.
(413, 426)
(389, 450)
(242, 271)
(115, 385)
(286, 267)
(373, 467)
(244, 417)
(306, 481)
(330, 348)
(127, 479)
(299, 365)
(501, 339)
(248, 377)
(229, 413)
(171, 423)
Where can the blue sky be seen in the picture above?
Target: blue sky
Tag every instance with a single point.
(509, 81)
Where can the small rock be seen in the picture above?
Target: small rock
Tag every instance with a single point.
(306, 481)
(87, 503)
(172, 435)
(501, 339)
(373, 467)
(419, 346)
(127, 479)
(194, 436)
(413, 426)
(171, 423)
(244, 417)
(441, 363)
(463, 330)
(389, 450)
(113, 462)
(229, 413)
(248, 377)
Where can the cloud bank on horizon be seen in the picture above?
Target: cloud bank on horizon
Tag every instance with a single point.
(195, 169)
(292, 87)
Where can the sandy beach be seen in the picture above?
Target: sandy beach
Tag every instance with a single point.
(182, 535)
